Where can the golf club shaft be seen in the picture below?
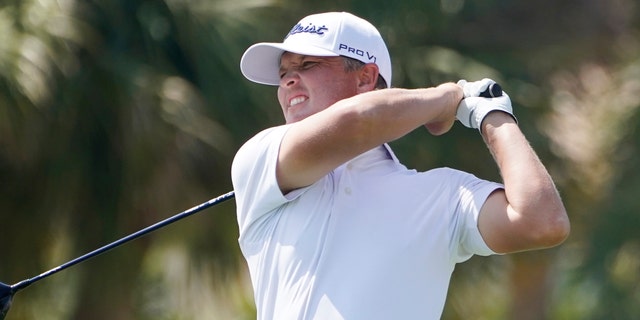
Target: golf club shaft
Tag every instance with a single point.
(25, 283)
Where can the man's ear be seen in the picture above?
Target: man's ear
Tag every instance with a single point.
(368, 77)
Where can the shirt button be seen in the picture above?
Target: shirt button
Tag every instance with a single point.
(347, 190)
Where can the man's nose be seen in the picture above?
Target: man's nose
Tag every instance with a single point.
(289, 79)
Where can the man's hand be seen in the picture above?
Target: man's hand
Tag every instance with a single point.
(473, 109)
(475, 88)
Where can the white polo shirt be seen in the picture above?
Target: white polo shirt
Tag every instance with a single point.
(371, 240)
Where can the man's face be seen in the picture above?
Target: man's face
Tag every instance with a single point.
(311, 84)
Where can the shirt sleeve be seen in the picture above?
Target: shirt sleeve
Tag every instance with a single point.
(471, 194)
(253, 174)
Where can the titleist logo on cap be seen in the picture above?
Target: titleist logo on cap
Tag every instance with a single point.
(311, 28)
(320, 30)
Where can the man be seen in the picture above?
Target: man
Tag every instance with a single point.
(331, 224)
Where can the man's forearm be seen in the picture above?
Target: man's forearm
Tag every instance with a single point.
(529, 189)
(389, 114)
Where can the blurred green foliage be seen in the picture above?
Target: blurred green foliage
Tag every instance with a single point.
(116, 114)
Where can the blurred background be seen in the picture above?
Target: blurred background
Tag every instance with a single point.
(115, 114)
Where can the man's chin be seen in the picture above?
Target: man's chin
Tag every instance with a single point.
(292, 118)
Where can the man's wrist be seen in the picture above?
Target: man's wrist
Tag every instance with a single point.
(455, 92)
(495, 119)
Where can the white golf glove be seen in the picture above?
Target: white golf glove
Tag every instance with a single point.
(475, 88)
(472, 110)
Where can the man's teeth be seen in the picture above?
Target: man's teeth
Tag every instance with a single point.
(297, 100)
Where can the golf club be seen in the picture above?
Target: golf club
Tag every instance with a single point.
(7, 291)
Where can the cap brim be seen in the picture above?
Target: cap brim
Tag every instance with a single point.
(261, 62)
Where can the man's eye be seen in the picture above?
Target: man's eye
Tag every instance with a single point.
(308, 64)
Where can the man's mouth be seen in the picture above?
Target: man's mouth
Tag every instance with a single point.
(297, 100)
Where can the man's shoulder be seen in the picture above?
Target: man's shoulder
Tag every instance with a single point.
(258, 148)
(262, 138)
(266, 133)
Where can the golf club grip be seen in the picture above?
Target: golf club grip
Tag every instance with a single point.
(494, 90)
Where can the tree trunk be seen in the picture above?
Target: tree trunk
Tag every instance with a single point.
(531, 285)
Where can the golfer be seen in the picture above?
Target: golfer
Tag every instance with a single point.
(332, 225)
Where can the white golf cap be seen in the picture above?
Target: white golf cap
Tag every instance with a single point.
(328, 34)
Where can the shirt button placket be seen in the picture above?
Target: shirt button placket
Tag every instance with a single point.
(347, 189)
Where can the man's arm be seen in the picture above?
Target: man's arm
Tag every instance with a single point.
(529, 213)
(318, 144)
